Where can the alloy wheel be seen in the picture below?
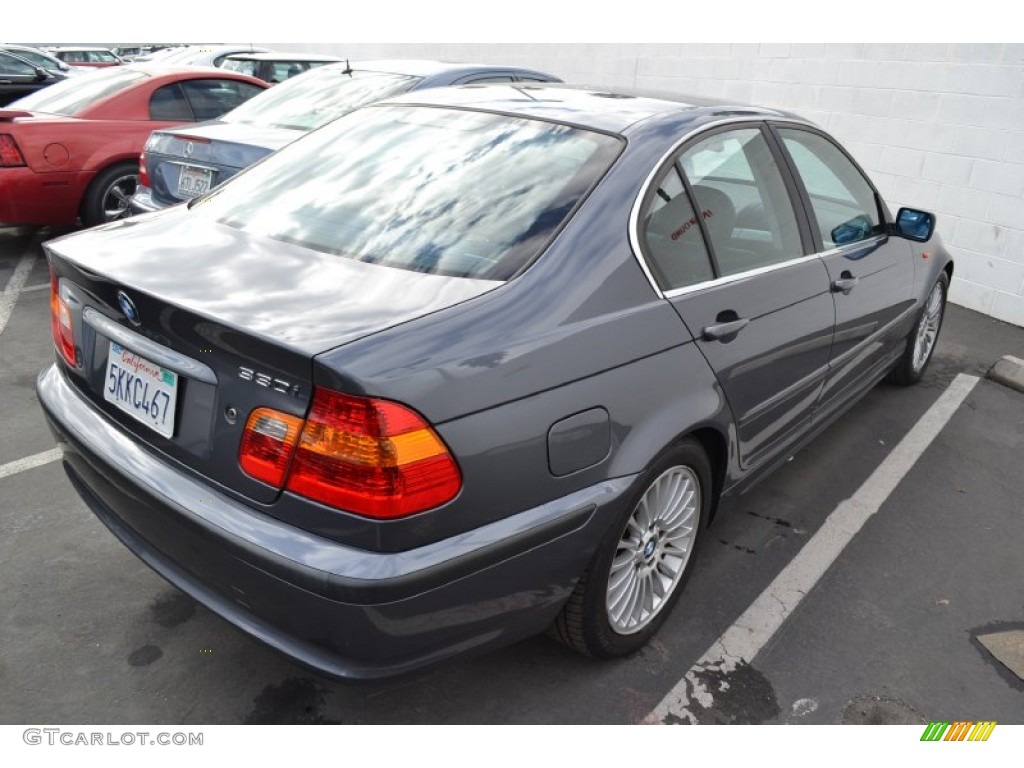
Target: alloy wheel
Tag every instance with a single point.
(928, 328)
(115, 199)
(654, 550)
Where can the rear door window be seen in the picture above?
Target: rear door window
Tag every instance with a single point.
(671, 236)
(743, 201)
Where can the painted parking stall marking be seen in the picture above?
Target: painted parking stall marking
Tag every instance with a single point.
(15, 285)
(740, 644)
(29, 462)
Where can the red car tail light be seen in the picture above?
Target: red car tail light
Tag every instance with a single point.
(268, 444)
(371, 457)
(60, 323)
(10, 154)
(143, 171)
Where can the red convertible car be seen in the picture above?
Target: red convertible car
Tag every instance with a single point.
(72, 150)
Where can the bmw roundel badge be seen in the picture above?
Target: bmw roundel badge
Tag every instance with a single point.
(128, 307)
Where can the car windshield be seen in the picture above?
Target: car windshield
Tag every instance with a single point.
(310, 100)
(440, 191)
(72, 96)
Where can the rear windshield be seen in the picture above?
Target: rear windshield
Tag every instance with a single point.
(72, 96)
(245, 66)
(310, 100)
(445, 192)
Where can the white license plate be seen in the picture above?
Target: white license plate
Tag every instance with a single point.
(142, 389)
(193, 182)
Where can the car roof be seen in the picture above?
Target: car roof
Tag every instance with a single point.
(278, 56)
(220, 47)
(597, 108)
(429, 67)
(81, 48)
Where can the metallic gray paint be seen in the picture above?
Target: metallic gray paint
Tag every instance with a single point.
(500, 370)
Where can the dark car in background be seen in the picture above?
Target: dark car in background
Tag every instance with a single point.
(276, 67)
(37, 58)
(19, 77)
(475, 362)
(181, 164)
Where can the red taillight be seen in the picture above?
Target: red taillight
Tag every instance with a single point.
(370, 457)
(143, 171)
(60, 323)
(10, 155)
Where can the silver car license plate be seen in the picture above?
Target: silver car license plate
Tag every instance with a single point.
(193, 181)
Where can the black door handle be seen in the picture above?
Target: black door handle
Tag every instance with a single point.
(724, 331)
(845, 283)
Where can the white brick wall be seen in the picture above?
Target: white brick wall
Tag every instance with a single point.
(939, 126)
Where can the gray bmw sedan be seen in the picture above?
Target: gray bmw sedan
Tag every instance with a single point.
(476, 363)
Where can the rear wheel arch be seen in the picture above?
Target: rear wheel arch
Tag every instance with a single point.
(716, 446)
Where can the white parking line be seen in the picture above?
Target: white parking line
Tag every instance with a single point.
(751, 631)
(37, 287)
(29, 462)
(14, 286)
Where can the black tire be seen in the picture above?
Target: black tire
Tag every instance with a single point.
(908, 369)
(584, 623)
(109, 186)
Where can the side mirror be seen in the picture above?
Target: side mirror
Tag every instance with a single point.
(915, 225)
(41, 74)
(856, 229)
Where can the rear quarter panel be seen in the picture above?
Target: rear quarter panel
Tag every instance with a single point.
(580, 329)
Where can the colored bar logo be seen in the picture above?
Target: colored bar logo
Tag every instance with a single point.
(961, 730)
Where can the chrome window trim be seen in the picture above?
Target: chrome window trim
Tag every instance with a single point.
(725, 279)
(152, 351)
(634, 214)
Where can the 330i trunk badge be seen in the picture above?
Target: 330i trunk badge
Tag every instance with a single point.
(268, 381)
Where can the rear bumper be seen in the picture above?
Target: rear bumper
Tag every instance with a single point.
(144, 202)
(345, 612)
(28, 198)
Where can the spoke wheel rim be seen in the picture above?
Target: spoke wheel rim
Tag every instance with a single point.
(115, 199)
(928, 328)
(653, 550)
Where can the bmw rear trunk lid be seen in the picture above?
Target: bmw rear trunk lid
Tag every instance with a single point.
(230, 322)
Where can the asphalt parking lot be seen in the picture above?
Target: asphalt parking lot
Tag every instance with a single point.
(88, 634)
